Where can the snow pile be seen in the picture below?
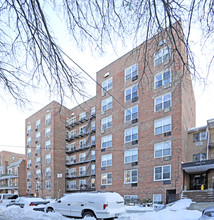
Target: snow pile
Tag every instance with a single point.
(180, 204)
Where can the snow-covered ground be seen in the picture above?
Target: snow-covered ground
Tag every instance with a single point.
(176, 211)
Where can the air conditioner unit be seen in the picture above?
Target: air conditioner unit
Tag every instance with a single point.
(103, 93)
(167, 85)
(135, 99)
(134, 163)
(103, 113)
(167, 134)
(134, 78)
(167, 109)
(134, 120)
(133, 184)
(103, 150)
(134, 142)
(103, 168)
(102, 131)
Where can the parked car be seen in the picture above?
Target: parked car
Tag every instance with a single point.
(7, 198)
(207, 214)
(29, 202)
(89, 204)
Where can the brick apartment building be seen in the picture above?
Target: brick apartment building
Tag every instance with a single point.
(142, 122)
(45, 151)
(12, 173)
(80, 147)
(137, 122)
(198, 169)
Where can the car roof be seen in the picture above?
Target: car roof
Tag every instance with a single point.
(209, 209)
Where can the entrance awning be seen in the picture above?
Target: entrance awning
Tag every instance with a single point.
(200, 166)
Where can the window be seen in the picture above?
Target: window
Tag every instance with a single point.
(93, 140)
(93, 155)
(28, 141)
(72, 134)
(47, 184)
(48, 132)
(72, 184)
(131, 155)
(106, 104)
(82, 144)
(48, 158)
(71, 147)
(38, 161)
(82, 171)
(199, 157)
(48, 145)
(28, 163)
(131, 198)
(29, 152)
(48, 172)
(131, 72)
(73, 120)
(38, 185)
(163, 79)
(106, 160)
(82, 130)
(28, 129)
(73, 172)
(131, 93)
(82, 183)
(38, 149)
(107, 85)
(163, 102)
(48, 119)
(162, 149)
(162, 55)
(37, 125)
(38, 173)
(131, 134)
(29, 185)
(93, 169)
(28, 174)
(82, 157)
(106, 179)
(199, 136)
(82, 116)
(162, 173)
(163, 125)
(93, 111)
(130, 176)
(93, 128)
(92, 183)
(131, 113)
(157, 198)
(106, 141)
(106, 123)
(71, 159)
(37, 136)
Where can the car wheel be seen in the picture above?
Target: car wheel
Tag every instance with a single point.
(49, 209)
(88, 214)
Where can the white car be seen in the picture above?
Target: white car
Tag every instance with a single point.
(207, 214)
(7, 198)
(89, 204)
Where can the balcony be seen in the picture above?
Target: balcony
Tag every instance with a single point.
(8, 186)
(8, 176)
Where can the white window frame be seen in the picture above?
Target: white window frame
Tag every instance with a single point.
(132, 91)
(28, 152)
(161, 81)
(82, 144)
(48, 119)
(82, 182)
(106, 139)
(106, 104)
(38, 161)
(47, 145)
(38, 123)
(130, 131)
(48, 132)
(106, 123)
(131, 177)
(108, 180)
(161, 101)
(28, 141)
(132, 153)
(82, 116)
(129, 71)
(38, 173)
(129, 113)
(162, 55)
(157, 198)
(163, 146)
(82, 157)
(72, 159)
(38, 148)
(162, 168)
(82, 171)
(163, 124)
(106, 160)
(48, 158)
(48, 184)
(28, 129)
(93, 111)
(48, 172)
(109, 85)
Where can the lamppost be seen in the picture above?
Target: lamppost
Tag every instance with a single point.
(59, 176)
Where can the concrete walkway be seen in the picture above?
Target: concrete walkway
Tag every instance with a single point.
(200, 206)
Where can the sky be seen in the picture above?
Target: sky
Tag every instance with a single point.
(12, 116)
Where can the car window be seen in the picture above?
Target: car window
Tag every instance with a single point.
(210, 214)
(9, 196)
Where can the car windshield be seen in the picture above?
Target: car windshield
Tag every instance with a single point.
(210, 214)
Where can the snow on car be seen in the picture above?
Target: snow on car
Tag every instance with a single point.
(89, 204)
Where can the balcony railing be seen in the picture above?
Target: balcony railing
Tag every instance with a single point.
(8, 176)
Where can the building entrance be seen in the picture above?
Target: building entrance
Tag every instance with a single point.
(197, 180)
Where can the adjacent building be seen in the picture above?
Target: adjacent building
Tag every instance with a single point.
(12, 173)
(198, 169)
